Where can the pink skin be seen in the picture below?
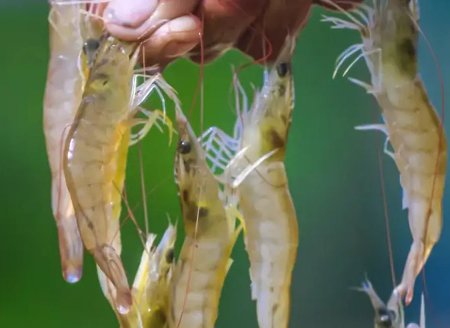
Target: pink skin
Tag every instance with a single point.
(172, 28)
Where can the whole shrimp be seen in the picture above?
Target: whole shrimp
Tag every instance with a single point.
(210, 236)
(151, 284)
(95, 158)
(257, 173)
(389, 33)
(96, 150)
(390, 315)
(62, 98)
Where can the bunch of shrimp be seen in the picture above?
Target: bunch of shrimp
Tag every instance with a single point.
(92, 99)
(210, 234)
(389, 33)
(256, 175)
(390, 315)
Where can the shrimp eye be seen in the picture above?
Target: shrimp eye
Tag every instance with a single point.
(283, 69)
(90, 46)
(170, 255)
(184, 146)
(385, 318)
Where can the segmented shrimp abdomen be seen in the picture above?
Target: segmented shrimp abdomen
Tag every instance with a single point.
(271, 241)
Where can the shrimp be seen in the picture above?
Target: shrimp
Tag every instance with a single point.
(95, 159)
(151, 284)
(62, 98)
(390, 315)
(257, 173)
(389, 33)
(95, 154)
(210, 236)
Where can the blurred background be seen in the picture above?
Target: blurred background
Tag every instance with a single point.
(333, 171)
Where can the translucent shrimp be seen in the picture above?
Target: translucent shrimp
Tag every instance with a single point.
(151, 285)
(95, 155)
(390, 315)
(389, 33)
(257, 173)
(62, 98)
(210, 236)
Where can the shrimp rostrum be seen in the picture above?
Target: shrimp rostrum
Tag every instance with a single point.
(210, 235)
(389, 32)
(257, 175)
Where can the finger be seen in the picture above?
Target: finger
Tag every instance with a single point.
(132, 27)
(344, 4)
(224, 21)
(265, 39)
(129, 13)
(173, 39)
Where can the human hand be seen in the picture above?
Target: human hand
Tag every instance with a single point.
(172, 28)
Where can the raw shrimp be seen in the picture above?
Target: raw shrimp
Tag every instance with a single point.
(151, 284)
(210, 236)
(257, 173)
(62, 98)
(95, 159)
(389, 33)
(96, 150)
(390, 315)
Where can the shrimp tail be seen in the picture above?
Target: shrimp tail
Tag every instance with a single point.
(70, 249)
(110, 263)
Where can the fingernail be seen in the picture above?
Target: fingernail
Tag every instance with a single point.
(131, 13)
(183, 24)
(177, 49)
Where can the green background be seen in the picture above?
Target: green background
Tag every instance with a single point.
(333, 172)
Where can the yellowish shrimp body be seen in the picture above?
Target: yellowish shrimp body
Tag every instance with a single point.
(95, 159)
(210, 236)
(271, 227)
(62, 98)
(256, 175)
(411, 124)
(151, 285)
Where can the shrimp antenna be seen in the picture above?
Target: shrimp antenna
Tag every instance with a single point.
(143, 191)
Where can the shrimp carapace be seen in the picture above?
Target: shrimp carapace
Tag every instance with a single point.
(389, 33)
